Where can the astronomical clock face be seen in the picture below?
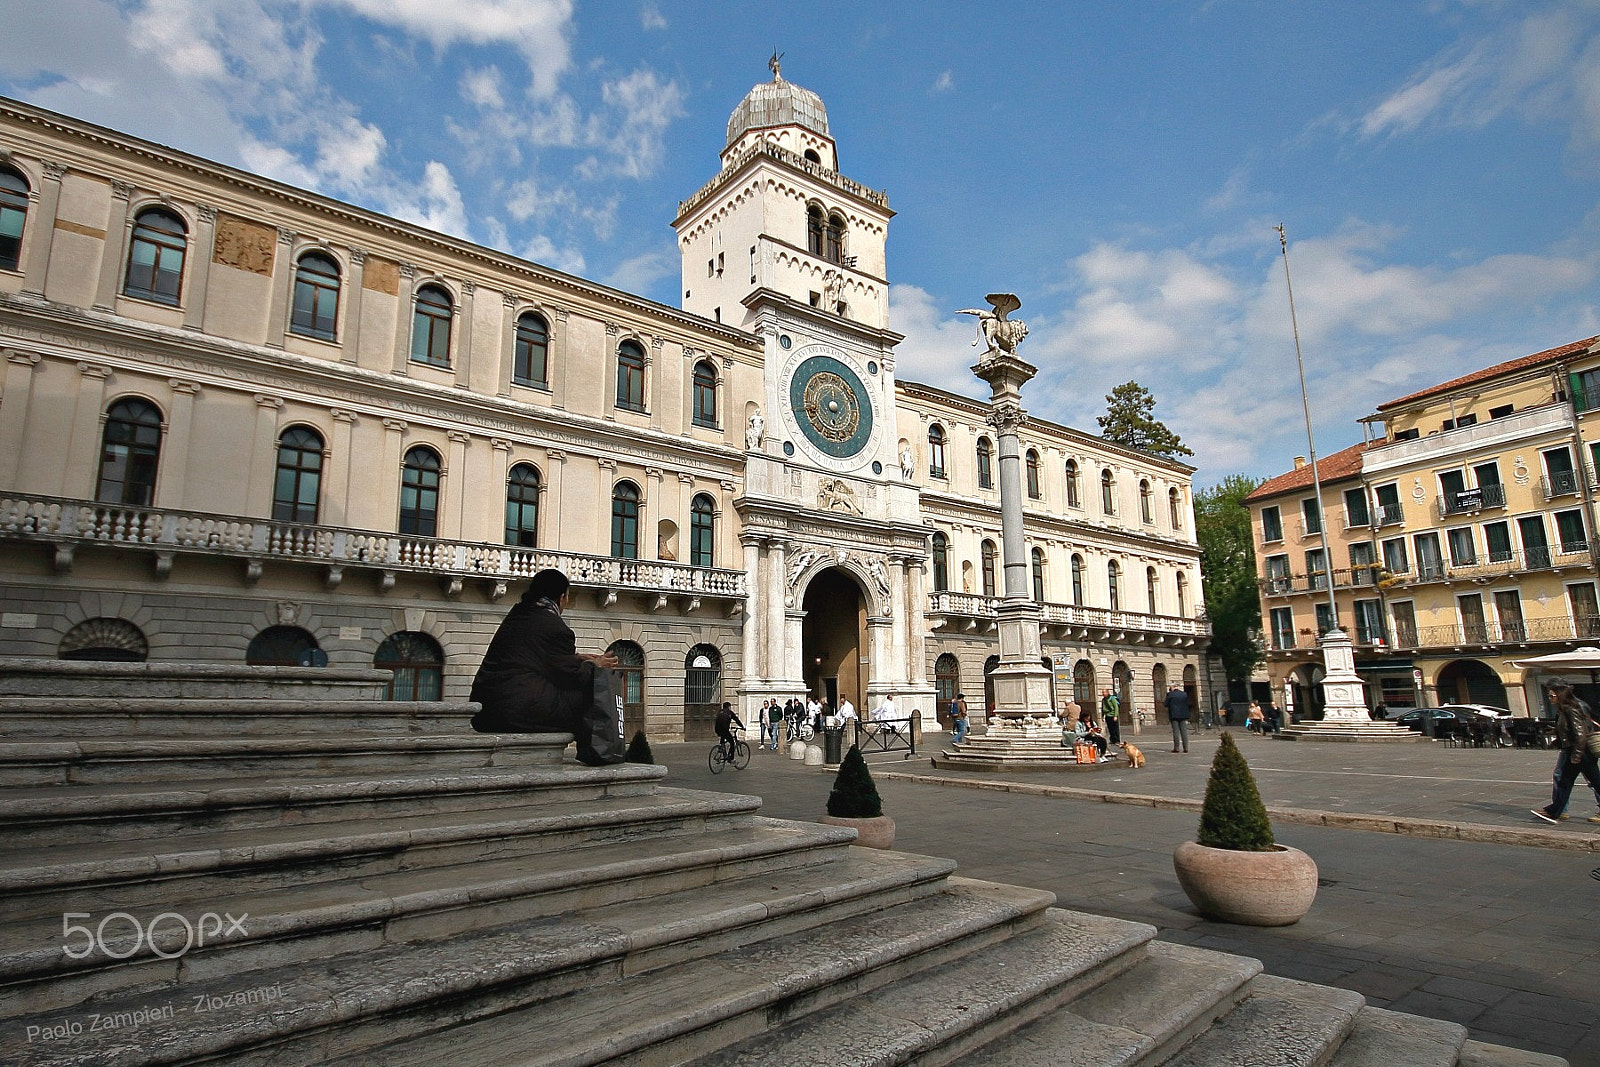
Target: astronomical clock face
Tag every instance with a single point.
(830, 406)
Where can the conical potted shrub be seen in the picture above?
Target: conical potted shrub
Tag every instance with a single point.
(854, 802)
(639, 750)
(1234, 871)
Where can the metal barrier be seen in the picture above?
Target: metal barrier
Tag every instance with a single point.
(886, 735)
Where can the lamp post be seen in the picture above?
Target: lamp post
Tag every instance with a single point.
(1343, 695)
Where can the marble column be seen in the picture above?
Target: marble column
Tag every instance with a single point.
(83, 447)
(282, 281)
(118, 224)
(751, 632)
(205, 237)
(43, 233)
(340, 464)
(350, 340)
(560, 349)
(401, 356)
(263, 457)
(456, 488)
(394, 432)
(172, 481)
(777, 654)
(463, 339)
(508, 345)
(14, 410)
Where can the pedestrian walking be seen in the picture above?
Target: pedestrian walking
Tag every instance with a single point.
(1271, 717)
(1178, 715)
(1579, 737)
(958, 718)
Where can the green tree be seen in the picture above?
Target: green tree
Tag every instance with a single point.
(854, 794)
(1233, 816)
(1130, 420)
(1228, 572)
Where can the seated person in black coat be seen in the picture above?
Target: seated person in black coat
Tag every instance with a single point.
(532, 679)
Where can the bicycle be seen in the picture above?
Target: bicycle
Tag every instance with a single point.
(724, 753)
(799, 730)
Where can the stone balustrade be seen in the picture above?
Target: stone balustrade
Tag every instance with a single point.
(1072, 621)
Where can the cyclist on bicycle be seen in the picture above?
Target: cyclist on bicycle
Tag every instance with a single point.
(726, 720)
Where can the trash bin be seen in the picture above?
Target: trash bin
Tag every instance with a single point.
(1429, 727)
(832, 744)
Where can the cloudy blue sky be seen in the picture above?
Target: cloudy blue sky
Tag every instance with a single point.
(1120, 166)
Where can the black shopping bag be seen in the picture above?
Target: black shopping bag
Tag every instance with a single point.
(600, 730)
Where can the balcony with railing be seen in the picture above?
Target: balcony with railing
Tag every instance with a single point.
(66, 525)
(1560, 483)
(1521, 427)
(1471, 500)
(1477, 634)
(966, 611)
(1389, 514)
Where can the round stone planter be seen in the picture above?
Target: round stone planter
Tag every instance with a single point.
(1253, 888)
(873, 833)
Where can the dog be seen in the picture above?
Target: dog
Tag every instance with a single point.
(1135, 757)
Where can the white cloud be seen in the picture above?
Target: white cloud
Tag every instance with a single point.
(651, 18)
(640, 273)
(482, 87)
(943, 83)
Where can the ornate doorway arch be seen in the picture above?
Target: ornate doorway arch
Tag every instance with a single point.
(833, 638)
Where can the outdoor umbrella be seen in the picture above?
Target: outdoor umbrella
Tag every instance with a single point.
(1585, 658)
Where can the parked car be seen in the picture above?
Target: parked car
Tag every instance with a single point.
(1416, 717)
(1469, 711)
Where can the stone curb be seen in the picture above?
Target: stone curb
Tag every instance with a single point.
(1532, 837)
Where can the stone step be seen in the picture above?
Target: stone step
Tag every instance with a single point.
(1282, 1022)
(54, 816)
(1382, 1038)
(298, 922)
(139, 759)
(138, 873)
(32, 676)
(1356, 732)
(109, 717)
(1479, 1054)
(532, 988)
(1141, 1016)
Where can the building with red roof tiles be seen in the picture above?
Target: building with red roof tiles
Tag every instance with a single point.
(1455, 541)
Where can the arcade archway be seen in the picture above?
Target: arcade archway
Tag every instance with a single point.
(833, 637)
(1468, 681)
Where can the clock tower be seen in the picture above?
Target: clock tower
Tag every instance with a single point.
(781, 244)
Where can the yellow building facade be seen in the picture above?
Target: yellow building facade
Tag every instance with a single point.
(1456, 539)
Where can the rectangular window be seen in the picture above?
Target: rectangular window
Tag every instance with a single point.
(1585, 611)
(1312, 512)
(1388, 497)
(1430, 562)
(1369, 622)
(1586, 389)
(1508, 605)
(1394, 556)
(1277, 572)
(1473, 625)
(1497, 540)
(1405, 624)
(1560, 479)
(1362, 560)
(1282, 628)
(1535, 545)
(1317, 568)
(1463, 549)
(1271, 524)
(1569, 531)
(1502, 411)
(1491, 494)
(1325, 619)
(1355, 508)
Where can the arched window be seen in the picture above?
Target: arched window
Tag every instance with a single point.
(418, 665)
(1113, 573)
(1108, 492)
(1158, 684)
(833, 240)
(155, 257)
(702, 531)
(284, 646)
(1033, 474)
(630, 376)
(1083, 684)
(1146, 505)
(988, 554)
(941, 562)
(13, 213)
(705, 394)
(936, 451)
(130, 451)
(631, 668)
(625, 521)
(1074, 492)
(702, 691)
(1077, 579)
(522, 506)
(104, 639)
(1038, 576)
(946, 684)
(1150, 588)
(1175, 508)
(985, 464)
(814, 228)
(316, 297)
(530, 363)
(1183, 595)
(299, 482)
(430, 327)
(419, 493)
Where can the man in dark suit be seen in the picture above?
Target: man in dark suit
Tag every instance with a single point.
(1178, 715)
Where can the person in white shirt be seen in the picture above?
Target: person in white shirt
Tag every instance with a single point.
(814, 713)
(885, 710)
(847, 710)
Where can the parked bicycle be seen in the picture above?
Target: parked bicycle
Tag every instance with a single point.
(798, 728)
(726, 752)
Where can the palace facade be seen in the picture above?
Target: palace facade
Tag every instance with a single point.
(244, 422)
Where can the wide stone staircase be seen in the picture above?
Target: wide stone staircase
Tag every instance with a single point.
(274, 866)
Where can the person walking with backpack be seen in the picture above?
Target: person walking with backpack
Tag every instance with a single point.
(1579, 737)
